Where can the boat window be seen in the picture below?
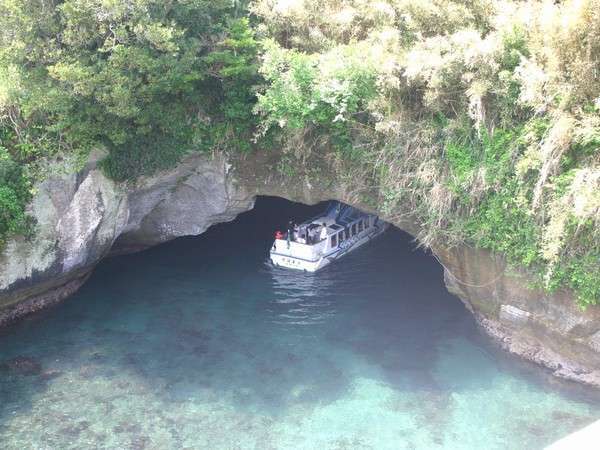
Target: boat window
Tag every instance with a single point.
(333, 240)
(341, 235)
(353, 229)
(360, 225)
(346, 233)
(367, 222)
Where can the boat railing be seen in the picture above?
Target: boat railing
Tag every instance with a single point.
(344, 215)
(335, 209)
(309, 241)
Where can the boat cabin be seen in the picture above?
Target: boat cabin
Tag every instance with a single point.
(314, 243)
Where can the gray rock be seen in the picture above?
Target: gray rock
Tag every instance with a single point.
(513, 315)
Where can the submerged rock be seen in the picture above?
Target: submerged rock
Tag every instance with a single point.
(74, 430)
(127, 428)
(22, 365)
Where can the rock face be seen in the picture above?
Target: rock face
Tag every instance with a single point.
(77, 217)
(548, 329)
(83, 217)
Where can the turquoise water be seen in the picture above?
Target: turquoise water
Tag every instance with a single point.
(199, 344)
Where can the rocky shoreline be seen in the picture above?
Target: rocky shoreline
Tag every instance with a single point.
(531, 351)
(44, 299)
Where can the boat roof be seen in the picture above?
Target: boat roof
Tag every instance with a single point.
(336, 217)
(350, 218)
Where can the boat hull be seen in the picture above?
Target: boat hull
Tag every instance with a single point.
(289, 261)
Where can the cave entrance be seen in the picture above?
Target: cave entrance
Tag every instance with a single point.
(402, 283)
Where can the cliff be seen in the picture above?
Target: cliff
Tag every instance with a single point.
(84, 217)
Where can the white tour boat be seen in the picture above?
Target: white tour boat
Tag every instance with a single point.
(318, 242)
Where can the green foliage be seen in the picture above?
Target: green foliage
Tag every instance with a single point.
(514, 47)
(498, 218)
(327, 92)
(225, 120)
(234, 66)
(502, 224)
(462, 158)
(582, 275)
(15, 193)
(466, 153)
(498, 150)
(580, 268)
(291, 78)
(149, 155)
(137, 78)
(501, 218)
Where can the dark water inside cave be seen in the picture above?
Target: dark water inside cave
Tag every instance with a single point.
(200, 344)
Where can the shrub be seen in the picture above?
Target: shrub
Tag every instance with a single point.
(15, 193)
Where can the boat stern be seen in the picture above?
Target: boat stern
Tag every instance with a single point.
(294, 255)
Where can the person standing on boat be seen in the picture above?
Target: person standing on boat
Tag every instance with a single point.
(323, 235)
(290, 231)
(309, 236)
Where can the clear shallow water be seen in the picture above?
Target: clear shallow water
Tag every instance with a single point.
(199, 344)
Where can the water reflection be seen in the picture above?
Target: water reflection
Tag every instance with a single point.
(305, 298)
(301, 298)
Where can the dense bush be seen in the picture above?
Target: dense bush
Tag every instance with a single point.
(327, 92)
(15, 193)
(143, 79)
